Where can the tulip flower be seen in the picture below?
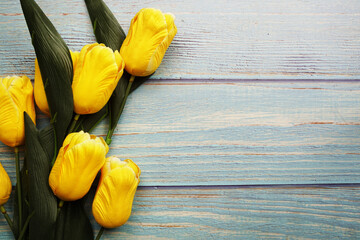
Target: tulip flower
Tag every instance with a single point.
(16, 94)
(97, 73)
(39, 91)
(149, 36)
(115, 193)
(5, 191)
(79, 160)
(5, 186)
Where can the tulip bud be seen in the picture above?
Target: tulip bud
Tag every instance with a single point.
(115, 194)
(5, 186)
(97, 73)
(149, 36)
(39, 91)
(79, 160)
(16, 94)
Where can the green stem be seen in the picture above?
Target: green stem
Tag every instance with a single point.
(111, 131)
(98, 236)
(61, 204)
(73, 123)
(23, 231)
(92, 128)
(18, 182)
(11, 225)
(55, 148)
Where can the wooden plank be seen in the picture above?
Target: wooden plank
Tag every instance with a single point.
(222, 39)
(238, 132)
(312, 212)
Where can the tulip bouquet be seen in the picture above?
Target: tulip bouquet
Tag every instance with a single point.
(76, 90)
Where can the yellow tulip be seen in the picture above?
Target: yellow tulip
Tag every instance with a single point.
(97, 73)
(5, 186)
(16, 94)
(79, 160)
(115, 194)
(39, 91)
(149, 36)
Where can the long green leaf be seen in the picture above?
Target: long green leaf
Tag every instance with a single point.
(41, 199)
(138, 82)
(73, 223)
(107, 30)
(116, 99)
(55, 66)
(88, 122)
(46, 138)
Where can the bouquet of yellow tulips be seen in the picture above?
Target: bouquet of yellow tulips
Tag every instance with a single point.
(76, 90)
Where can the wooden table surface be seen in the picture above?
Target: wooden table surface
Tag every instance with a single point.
(249, 129)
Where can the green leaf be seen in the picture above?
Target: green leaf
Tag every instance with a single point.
(107, 29)
(25, 199)
(73, 222)
(119, 94)
(138, 82)
(116, 99)
(55, 66)
(47, 140)
(41, 198)
(88, 122)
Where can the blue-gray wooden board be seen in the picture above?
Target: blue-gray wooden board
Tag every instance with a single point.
(250, 128)
(282, 212)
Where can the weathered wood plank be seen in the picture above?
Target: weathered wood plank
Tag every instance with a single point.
(220, 39)
(239, 213)
(238, 132)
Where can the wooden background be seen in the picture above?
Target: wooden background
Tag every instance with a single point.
(250, 128)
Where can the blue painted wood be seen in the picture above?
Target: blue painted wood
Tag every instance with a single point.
(238, 132)
(220, 39)
(313, 212)
(229, 127)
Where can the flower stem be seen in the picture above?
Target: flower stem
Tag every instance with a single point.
(73, 123)
(55, 148)
(11, 225)
(18, 182)
(98, 236)
(111, 131)
(23, 231)
(61, 204)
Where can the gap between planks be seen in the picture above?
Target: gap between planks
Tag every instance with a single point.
(250, 186)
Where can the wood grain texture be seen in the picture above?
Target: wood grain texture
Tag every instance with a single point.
(238, 132)
(207, 120)
(217, 39)
(239, 213)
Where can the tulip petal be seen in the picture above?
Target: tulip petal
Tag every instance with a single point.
(170, 22)
(78, 162)
(6, 187)
(74, 57)
(16, 95)
(9, 118)
(39, 91)
(147, 41)
(134, 167)
(96, 77)
(75, 139)
(114, 197)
